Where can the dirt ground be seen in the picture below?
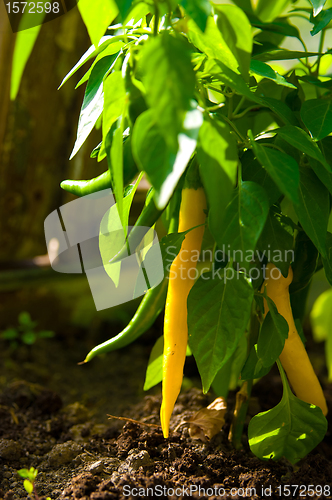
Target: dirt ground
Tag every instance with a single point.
(53, 417)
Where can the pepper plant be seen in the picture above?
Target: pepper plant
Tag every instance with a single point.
(215, 88)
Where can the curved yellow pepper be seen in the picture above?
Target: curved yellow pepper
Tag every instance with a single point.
(294, 357)
(181, 279)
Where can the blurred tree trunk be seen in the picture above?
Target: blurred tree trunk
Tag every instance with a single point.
(37, 133)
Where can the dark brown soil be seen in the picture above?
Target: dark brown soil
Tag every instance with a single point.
(53, 417)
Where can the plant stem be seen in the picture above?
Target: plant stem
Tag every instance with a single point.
(234, 128)
(320, 49)
(240, 413)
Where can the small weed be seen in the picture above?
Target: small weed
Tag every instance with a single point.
(25, 332)
(29, 481)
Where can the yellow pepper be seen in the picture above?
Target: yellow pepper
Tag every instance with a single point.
(294, 357)
(181, 279)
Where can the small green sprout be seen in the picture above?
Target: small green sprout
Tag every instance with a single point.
(29, 481)
(25, 332)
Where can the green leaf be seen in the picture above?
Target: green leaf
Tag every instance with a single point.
(324, 176)
(236, 82)
(298, 138)
(278, 26)
(317, 6)
(212, 43)
(115, 162)
(281, 167)
(252, 170)
(313, 208)
(276, 54)
(218, 312)
(28, 486)
(321, 21)
(267, 11)
(316, 115)
(217, 155)
(327, 261)
(154, 372)
(25, 320)
(253, 367)
(271, 339)
(24, 43)
(97, 16)
(198, 10)
(276, 242)
(236, 31)
(29, 337)
(111, 234)
(9, 334)
(124, 7)
(264, 70)
(101, 66)
(89, 114)
(291, 429)
(114, 100)
(244, 221)
(151, 153)
(169, 80)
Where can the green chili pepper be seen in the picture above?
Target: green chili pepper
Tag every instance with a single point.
(104, 180)
(150, 307)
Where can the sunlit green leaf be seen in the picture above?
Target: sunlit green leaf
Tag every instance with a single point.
(264, 70)
(291, 429)
(152, 154)
(321, 21)
(267, 11)
(25, 41)
(169, 81)
(321, 321)
(97, 16)
(317, 6)
(236, 31)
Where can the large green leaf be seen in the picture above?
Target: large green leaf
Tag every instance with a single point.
(212, 43)
(152, 154)
(316, 115)
(236, 31)
(24, 43)
(276, 54)
(282, 168)
(97, 16)
(217, 155)
(281, 26)
(264, 70)
(198, 10)
(322, 174)
(244, 221)
(276, 243)
(291, 429)
(313, 208)
(169, 80)
(302, 141)
(219, 307)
